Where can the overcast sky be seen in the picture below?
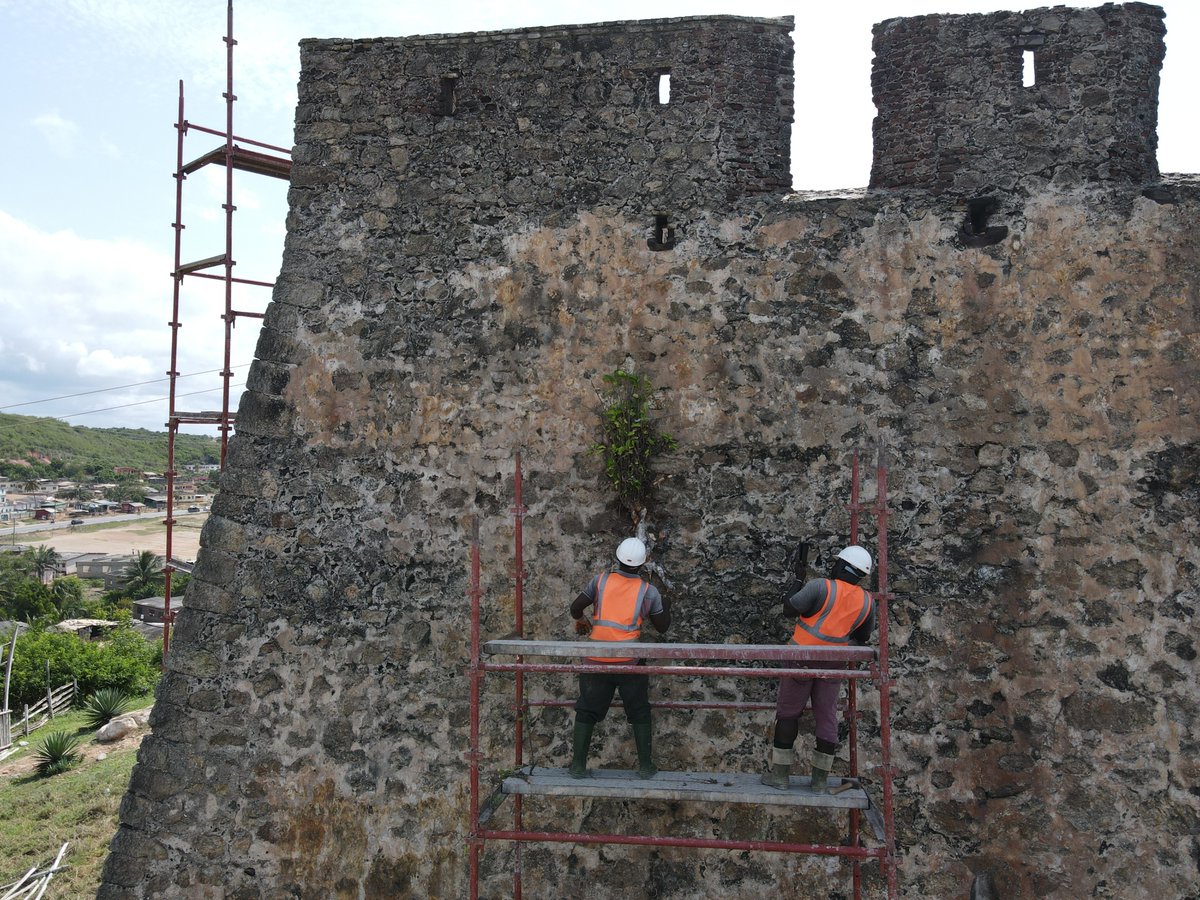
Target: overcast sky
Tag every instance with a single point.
(87, 196)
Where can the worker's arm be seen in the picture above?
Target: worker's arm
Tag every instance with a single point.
(586, 598)
(582, 602)
(806, 601)
(662, 620)
(861, 635)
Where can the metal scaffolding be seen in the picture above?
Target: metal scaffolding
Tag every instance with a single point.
(853, 664)
(233, 155)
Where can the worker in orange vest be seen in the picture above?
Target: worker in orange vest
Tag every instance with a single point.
(622, 600)
(831, 612)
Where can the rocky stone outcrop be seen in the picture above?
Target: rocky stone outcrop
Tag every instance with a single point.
(122, 725)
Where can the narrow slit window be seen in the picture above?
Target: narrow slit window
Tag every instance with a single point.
(1028, 69)
(449, 95)
(664, 88)
(662, 234)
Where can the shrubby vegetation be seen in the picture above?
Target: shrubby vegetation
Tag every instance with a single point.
(105, 705)
(124, 661)
(57, 752)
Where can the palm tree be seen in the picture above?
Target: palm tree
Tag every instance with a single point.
(42, 560)
(67, 594)
(143, 574)
(79, 493)
(122, 492)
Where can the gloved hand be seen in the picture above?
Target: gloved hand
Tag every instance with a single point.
(583, 626)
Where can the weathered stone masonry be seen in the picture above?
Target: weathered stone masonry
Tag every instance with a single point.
(954, 115)
(469, 251)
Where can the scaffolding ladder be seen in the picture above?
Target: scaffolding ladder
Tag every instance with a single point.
(852, 664)
(234, 154)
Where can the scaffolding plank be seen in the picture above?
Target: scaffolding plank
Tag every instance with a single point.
(187, 268)
(261, 163)
(208, 417)
(212, 156)
(245, 160)
(649, 650)
(720, 787)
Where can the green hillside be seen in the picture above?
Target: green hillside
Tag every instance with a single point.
(32, 447)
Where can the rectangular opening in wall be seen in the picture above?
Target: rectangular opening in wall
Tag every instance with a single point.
(448, 100)
(662, 234)
(1028, 73)
(664, 87)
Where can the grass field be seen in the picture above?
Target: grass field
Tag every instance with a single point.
(79, 806)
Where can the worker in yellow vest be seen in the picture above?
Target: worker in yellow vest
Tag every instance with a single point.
(621, 599)
(831, 612)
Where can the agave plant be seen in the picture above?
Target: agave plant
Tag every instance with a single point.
(58, 751)
(104, 706)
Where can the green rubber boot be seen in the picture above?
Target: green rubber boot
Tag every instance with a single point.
(781, 768)
(642, 738)
(821, 764)
(581, 741)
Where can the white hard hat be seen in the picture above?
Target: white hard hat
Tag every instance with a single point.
(857, 557)
(631, 552)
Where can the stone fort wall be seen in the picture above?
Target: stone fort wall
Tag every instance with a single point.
(955, 115)
(466, 257)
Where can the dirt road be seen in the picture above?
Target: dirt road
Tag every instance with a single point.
(125, 537)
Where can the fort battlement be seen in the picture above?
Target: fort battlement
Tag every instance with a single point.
(663, 113)
(955, 113)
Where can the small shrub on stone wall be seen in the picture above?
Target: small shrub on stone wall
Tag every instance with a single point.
(630, 440)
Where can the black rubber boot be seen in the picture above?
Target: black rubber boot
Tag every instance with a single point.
(781, 768)
(821, 764)
(581, 740)
(642, 737)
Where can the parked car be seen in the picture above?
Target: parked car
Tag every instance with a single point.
(193, 509)
(77, 521)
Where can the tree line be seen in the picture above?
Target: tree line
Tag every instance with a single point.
(32, 447)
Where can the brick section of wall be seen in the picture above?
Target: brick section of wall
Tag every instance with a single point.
(953, 114)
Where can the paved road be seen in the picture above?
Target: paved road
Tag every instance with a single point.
(65, 521)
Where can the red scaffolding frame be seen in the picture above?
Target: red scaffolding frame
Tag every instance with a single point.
(233, 156)
(872, 665)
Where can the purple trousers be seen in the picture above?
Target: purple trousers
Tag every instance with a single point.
(794, 694)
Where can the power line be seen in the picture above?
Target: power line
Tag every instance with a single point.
(127, 405)
(144, 402)
(119, 387)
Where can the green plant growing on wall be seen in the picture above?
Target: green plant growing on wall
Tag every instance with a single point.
(630, 440)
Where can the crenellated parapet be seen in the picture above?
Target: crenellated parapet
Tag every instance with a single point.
(656, 115)
(969, 104)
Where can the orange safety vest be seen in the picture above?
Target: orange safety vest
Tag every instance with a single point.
(617, 616)
(846, 607)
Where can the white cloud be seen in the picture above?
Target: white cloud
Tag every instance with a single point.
(60, 134)
(106, 365)
(79, 315)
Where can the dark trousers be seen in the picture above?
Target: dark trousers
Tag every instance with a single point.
(794, 695)
(596, 694)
